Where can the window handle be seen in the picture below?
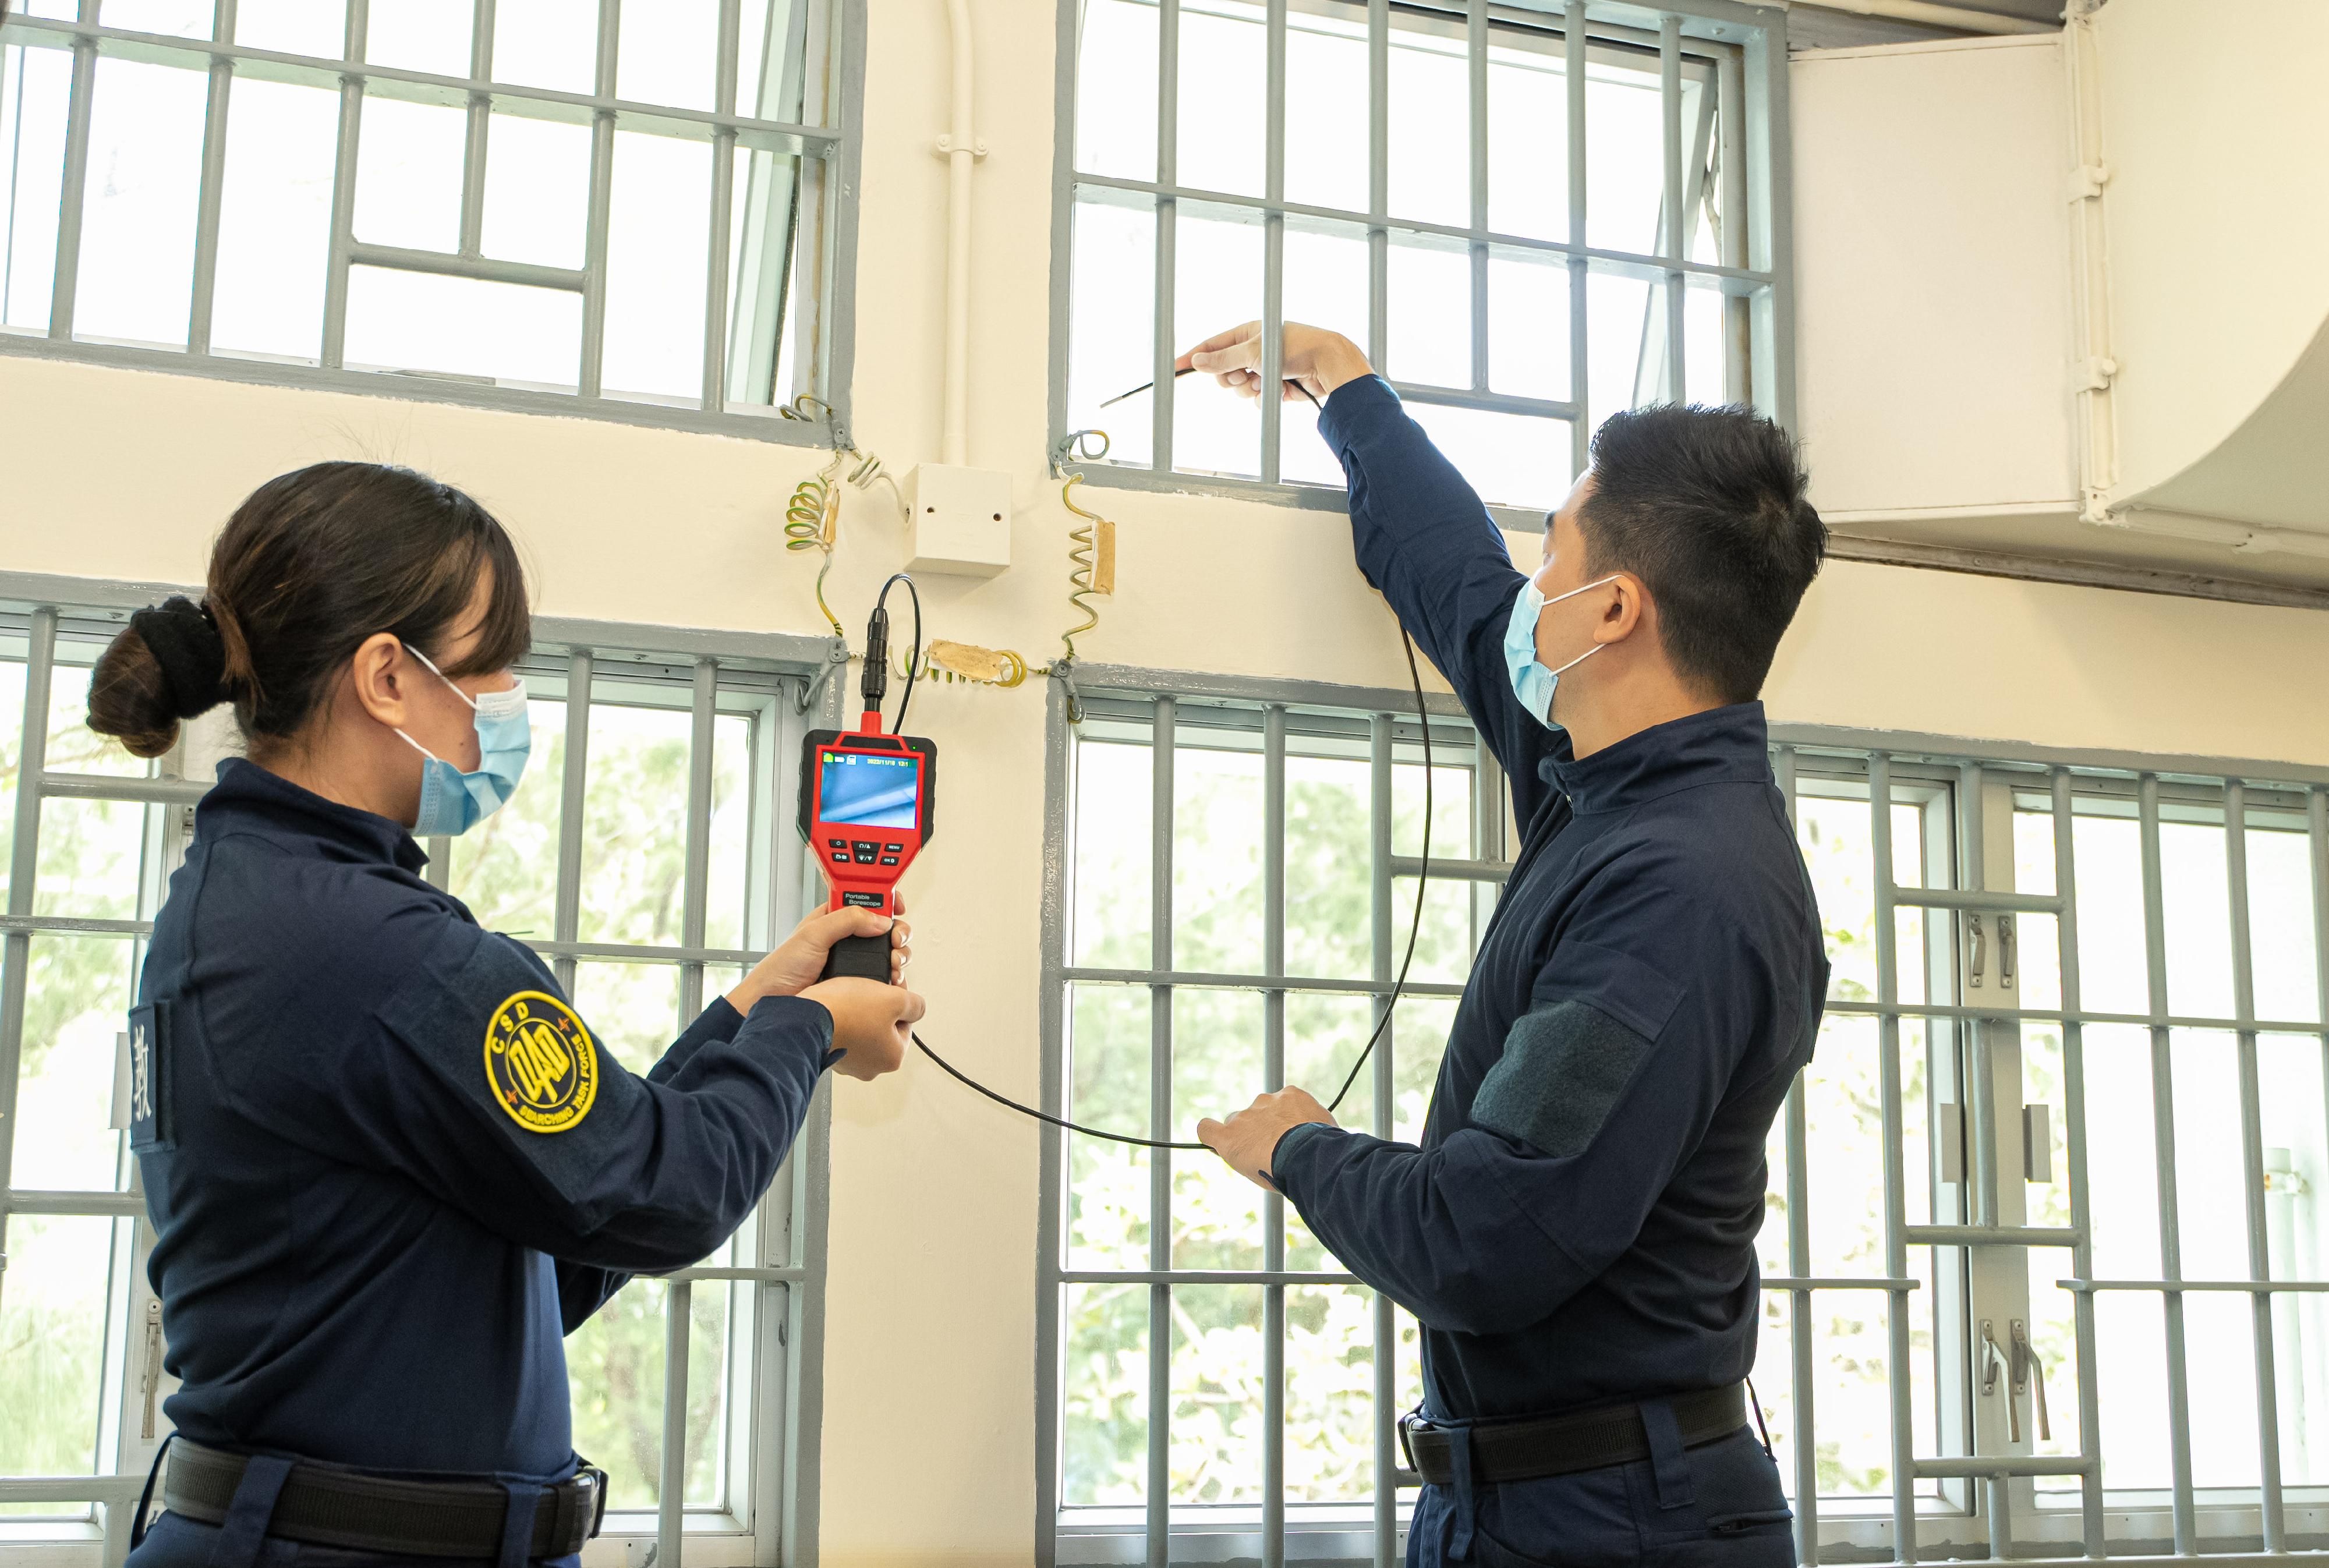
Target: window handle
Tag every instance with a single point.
(2006, 949)
(152, 1385)
(1973, 968)
(1993, 1362)
(2028, 1374)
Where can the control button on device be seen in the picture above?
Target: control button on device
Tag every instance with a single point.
(863, 846)
(893, 849)
(888, 860)
(837, 843)
(841, 855)
(864, 854)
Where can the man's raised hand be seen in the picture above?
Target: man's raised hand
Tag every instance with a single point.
(1318, 360)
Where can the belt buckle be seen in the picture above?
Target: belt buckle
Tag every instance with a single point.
(1406, 1451)
(597, 1484)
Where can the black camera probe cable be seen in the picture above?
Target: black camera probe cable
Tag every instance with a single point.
(877, 639)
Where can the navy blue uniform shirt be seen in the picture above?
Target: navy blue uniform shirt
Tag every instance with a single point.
(388, 1168)
(1578, 1224)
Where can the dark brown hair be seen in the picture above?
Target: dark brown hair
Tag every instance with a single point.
(314, 562)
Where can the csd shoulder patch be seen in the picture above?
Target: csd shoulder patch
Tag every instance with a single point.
(540, 1062)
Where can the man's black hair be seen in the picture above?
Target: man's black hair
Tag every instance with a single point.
(1706, 506)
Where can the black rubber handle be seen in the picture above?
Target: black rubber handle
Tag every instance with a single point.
(862, 958)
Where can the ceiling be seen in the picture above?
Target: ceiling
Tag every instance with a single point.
(1811, 27)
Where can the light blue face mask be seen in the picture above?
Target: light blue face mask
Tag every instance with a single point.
(1531, 682)
(453, 802)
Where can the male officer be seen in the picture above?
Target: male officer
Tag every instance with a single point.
(1576, 1233)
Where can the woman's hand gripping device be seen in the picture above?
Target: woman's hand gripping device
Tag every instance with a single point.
(868, 804)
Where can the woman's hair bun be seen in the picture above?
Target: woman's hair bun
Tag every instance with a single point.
(169, 665)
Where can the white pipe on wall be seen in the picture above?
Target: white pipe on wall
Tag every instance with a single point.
(960, 147)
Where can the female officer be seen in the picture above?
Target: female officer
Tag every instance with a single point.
(389, 1165)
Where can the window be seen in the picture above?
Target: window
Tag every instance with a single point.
(2070, 1101)
(520, 203)
(651, 857)
(1612, 237)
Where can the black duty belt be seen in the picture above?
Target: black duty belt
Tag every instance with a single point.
(331, 1506)
(1561, 1445)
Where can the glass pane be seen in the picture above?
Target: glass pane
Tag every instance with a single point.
(1217, 860)
(669, 54)
(2130, 1339)
(1104, 1393)
(1216, 1446)
(1112, 855)
(318, 27)
(2219, 1362)
(632, 1009)
(661, 221)
(2197, 903)
(1330, 1397)
(1326, 272)
(37, 84)
(730, 832)
(1703, 365)
(2053, 1335)
(178, 18)
(1845, 1144)
(1617, 339)
(2108, 860)
(2281, 926)
(138, 210)
(12, 721)
(1511, 459)
(505, 868)
(1852, 1396)
(1116, 90)
(1324, 1035)
(1218, 286)
(2211, 1180)
(1216, 1070)
(537, 190)
(1625, 153)
(409, 158)
(1419, 1040)
(1108, 1078)
(72, 746)
(1528, 319)
(78, 999)
(432, 35)
(2122, 1168)
(2290, 1071)
(275, 219)
(504, 332)
(1326, 110)
(615, 1365)
(1443, 941)
(1222, 55)
(763, 264)
(1527, 139)
(551, 43)
(1775, 1391)
(634, 824)
(1329, 890)
(1112, 325)
(58, 1273)
(1430, 316)
(90, 852)
(1431, 98)
(771, 39)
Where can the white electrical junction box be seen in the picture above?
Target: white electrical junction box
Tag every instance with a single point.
(959, 520)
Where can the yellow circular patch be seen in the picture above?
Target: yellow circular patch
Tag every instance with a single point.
(540, 1062)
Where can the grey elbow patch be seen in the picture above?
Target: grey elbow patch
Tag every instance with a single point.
(1564, 1070)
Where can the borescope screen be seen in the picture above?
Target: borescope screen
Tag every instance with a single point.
(869, 791)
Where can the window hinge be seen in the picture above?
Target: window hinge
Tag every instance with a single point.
(2037, 1145)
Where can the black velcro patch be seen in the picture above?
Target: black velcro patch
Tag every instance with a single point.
(1561, 1074)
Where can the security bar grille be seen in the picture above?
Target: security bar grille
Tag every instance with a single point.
(1615, 237)
(640, 216)
(651, 860)
(2070, 1105)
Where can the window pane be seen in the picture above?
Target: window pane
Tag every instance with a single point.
(1112, 897)
(408, 160)
(2113, 977)
(1703, 365)
(1326, 285)
(1417, 1038)
(1115, 95)
(771, 39)
(668, 54)
(37, 83)
(1326, 110)
(1527, 340)
(1111, 339)
(1512, 459)
(2122, 1169)
(90, 852)
(58, 1270)
(1217, 860)
(1430, 316)
(178, 18)
(661, 220)
(1617, 340)
(634, 824)
(1218, 286)
(2197, 903)
(1625, 154)
(551, 43)
(632, 1009)
(1223, 54)
(1528, 141)
(1108, 1089)
(1330, 1395)
(432, 35)
(505, 868)
(1104, 1393)
(1329, 888)
(1216, 1446)
(275, 219)
(537, 190)
(318, 27)
(2289, 1067)
(1324, 1035)
(765, 263)
(731, 841)
(615, 1365)
(2282, 955)
(1216, 1070)
(138, 210)
(505, 333)
(72, 746)
(1430, 97)
(77, 1000)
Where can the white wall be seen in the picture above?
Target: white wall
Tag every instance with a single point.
(929, 1440)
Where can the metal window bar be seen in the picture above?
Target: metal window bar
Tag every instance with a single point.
(1709, 46)
(797, 1269)
(822, 271)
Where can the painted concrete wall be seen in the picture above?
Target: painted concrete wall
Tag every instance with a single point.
(928, 1438)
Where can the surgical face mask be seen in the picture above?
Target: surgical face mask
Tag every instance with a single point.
(1531, 682)
(452, 801)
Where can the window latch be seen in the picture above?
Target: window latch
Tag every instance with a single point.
(2006, 949)
(152, 1386)
(1974, 964)
(2028, 1372)
(1993, 1362)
